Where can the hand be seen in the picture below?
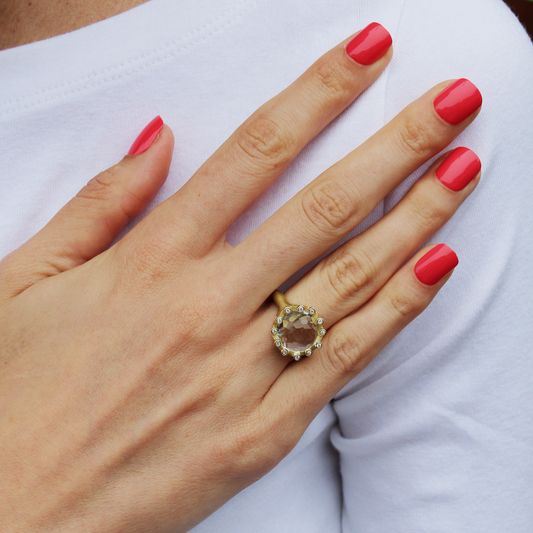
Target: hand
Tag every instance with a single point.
(140, 386)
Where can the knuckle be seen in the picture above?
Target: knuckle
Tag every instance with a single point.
(247, 445)
(266, 142)
(343, 352)
(327, 206)
(429, 213)
(151, 262)
(332, 81)
(416, 138)
(349, 273)
(260, 441)
(405, 305)
(101, 186)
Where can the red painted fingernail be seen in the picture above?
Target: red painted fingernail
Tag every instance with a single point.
(146, 137)
(459, 169)
(458, 101)
(433, 266)
(369, 44)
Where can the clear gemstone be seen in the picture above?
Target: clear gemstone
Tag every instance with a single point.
(298, 332)
(319, 345)
(309, 352)
(274, 330)
(278, 343)
(301, 308)
(279, 320)
(320, 320)
(312, 310)
(322, 332)
(296, 357)
(287, 310)
(284, 352)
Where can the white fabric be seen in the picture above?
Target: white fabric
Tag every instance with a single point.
(436, 435)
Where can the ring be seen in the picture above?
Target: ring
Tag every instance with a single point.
(297, 329)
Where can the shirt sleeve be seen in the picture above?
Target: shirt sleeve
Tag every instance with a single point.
(436, 434)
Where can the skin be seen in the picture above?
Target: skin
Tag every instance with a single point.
(140, 387)
(26, 21)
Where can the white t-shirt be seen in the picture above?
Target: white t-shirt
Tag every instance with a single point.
(436, 434)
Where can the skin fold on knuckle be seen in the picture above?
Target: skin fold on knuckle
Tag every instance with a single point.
(332, 83)
(328, 207)
(249, 447)
(348, 273)
(102, 186)
(428, 212)
(343, 352)
(417, 137)
(406, 302)
(149, 263)
(265, 143)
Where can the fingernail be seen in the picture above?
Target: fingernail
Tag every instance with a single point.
(459, 169)
(458, 101)
(146, 137)
(369, 44)
(433, 266)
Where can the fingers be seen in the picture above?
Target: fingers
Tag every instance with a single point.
(252, 159)
(352, 274)
(305, 387)
(337, 201)
(90, 222)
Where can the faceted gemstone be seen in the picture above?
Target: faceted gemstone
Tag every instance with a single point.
(298, 333)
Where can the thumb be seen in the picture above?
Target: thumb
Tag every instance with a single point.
(88, 224)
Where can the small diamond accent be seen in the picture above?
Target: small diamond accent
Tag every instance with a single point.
(322, 332)
(301, 308)
(319, 345)
(284, 352)
(296, 357)
(320, 320)
(278, 343)
(274, 330)
(308, 353)
(287, 310)
(312, 310)
(279, 320)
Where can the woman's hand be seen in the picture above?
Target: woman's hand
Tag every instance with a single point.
(140, 387)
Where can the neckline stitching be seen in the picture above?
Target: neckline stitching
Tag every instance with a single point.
(10, 106)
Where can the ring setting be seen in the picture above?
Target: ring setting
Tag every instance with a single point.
(297, 329)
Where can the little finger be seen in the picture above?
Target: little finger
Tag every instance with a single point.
(303, 388)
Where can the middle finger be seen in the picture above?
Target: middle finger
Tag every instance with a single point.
(337, 201)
